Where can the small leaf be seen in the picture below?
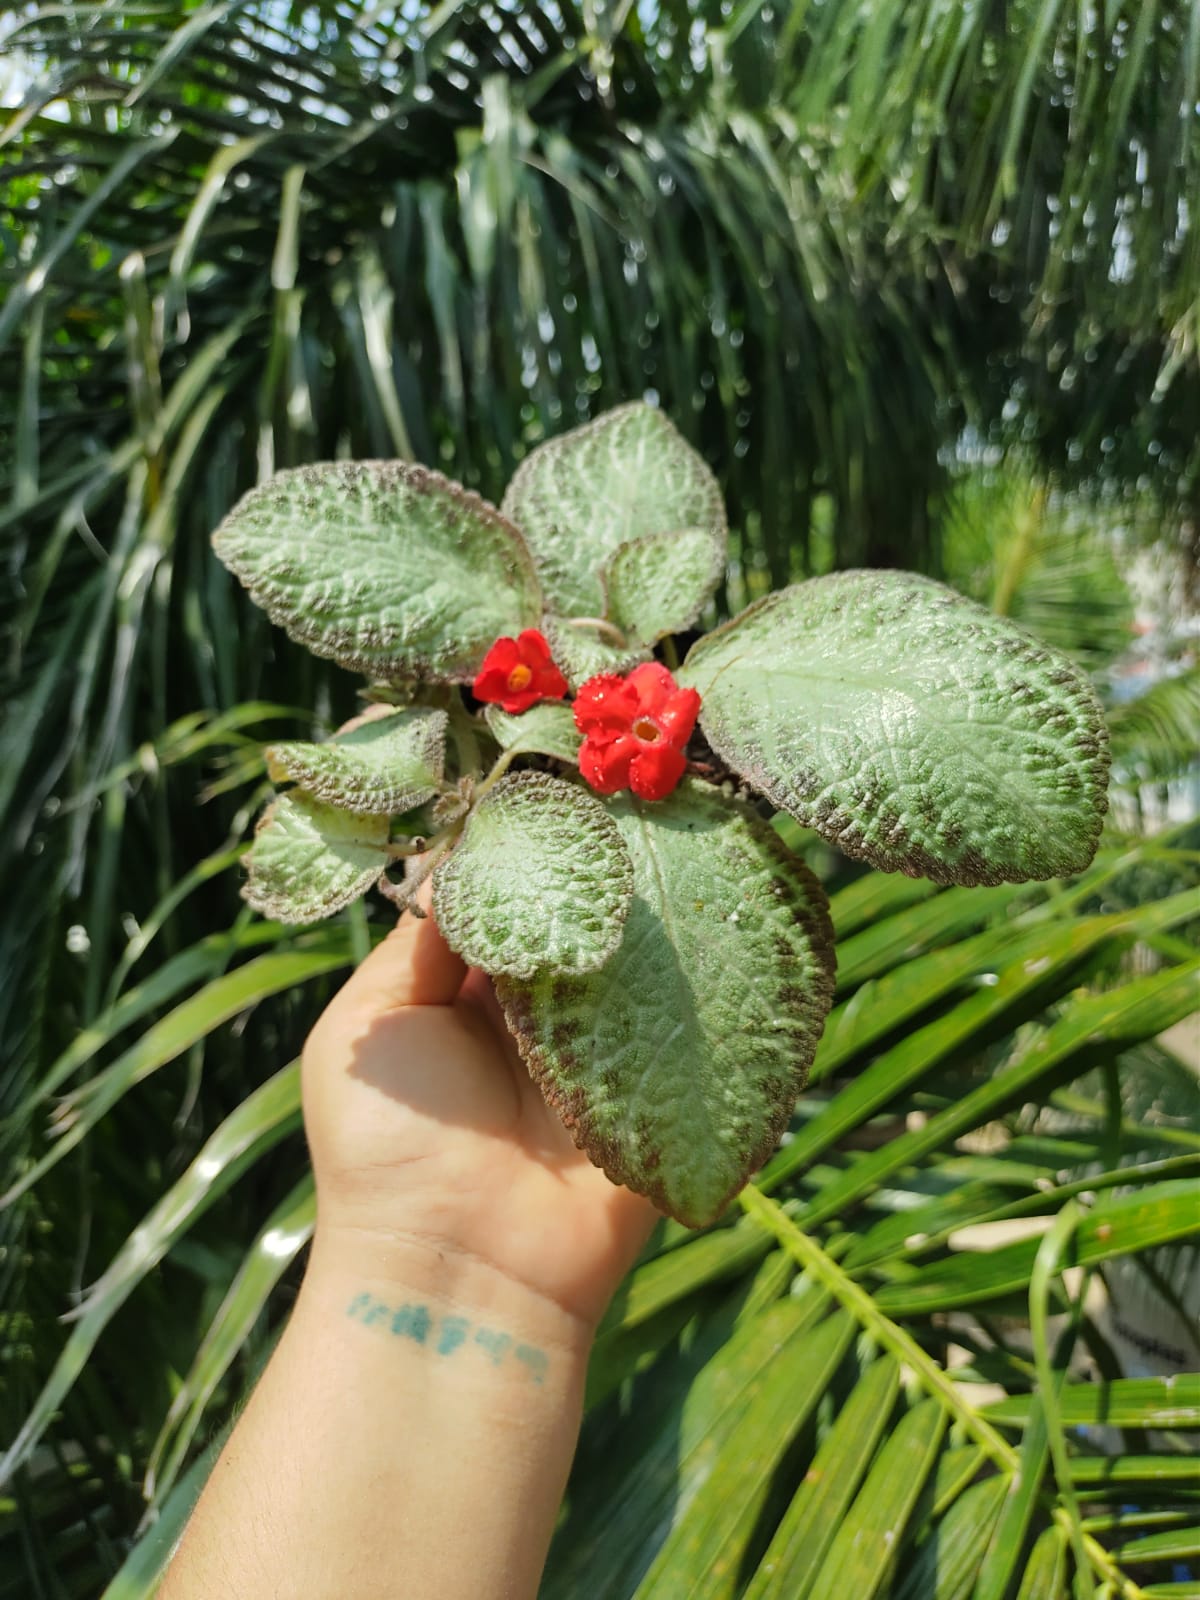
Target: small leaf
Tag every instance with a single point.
(676, 1067)
(579, 497)
(389, 764)
(547, 729)
(658, 584)
(583, 651)
(387, 568)
(309, 860)
(910, 727)
(540, 880)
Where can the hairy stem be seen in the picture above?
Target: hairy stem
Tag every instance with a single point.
(404, 894)
(506, 759)
(606, 630)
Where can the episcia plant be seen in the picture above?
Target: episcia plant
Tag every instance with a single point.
(596, 821)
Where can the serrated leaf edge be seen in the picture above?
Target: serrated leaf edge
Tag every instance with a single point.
(554, 445)
(716, 567)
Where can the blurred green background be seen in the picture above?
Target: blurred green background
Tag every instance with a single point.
(922, 282)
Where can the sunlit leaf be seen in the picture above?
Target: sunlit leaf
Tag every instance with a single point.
(385, 567)
(909, 727)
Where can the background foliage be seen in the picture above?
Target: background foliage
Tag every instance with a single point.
(862, 255)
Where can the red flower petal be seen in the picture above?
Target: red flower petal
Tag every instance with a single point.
(605, 704)
(514, 701)
(635, 730)
(678, 716)
(653, 685)
(551, 683)
(655, 771)
(533, 648)
(517, 673)
(605, 763)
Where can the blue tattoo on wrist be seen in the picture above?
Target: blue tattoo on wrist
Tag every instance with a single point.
(419, 1322)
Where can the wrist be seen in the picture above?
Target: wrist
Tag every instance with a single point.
(435, 1293)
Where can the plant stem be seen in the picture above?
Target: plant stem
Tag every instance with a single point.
(404, 894)
(808, 1254)
(505, 760)
(1045, 1268)
(607, 630)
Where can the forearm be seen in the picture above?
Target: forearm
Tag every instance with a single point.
(412, 1435)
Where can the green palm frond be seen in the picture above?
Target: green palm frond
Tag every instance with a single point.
(1050, 563)
(1156, 735)
(736, 1357)
(830, 238)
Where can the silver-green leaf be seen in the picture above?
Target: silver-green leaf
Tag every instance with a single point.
(308, 860)
(387, 764)
(910, 727)
(677, 1065)
(579, 497)
(387, 568)
(546, 729)
(659, 584)
(539, 881)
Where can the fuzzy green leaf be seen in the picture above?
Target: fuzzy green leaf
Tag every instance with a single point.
(540, 880)
(387, 568)
(676, 1067)
(658, 584)
(546, 729)
(387, 765)
(910, 727)
(579, 497)
(309, 860)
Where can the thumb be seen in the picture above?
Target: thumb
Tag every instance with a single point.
(413, 966)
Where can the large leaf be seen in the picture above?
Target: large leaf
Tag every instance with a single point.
(539, 881)
(386, 765)
(578, 498)
(385, 567)
(309, 860)
(677, 1065)
(909, 727)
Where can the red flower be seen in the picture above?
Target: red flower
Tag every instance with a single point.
(516, 673)
(635, 730)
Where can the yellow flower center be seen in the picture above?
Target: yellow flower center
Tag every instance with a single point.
(520, 677)
(643, 728)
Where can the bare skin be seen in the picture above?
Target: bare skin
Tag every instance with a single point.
(413, 1432)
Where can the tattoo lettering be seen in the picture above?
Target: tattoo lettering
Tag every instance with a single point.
(419, 1323)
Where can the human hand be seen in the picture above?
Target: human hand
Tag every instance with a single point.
(415, 1425)
(430, 1142)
